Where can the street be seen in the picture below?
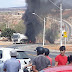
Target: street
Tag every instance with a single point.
(29, 48)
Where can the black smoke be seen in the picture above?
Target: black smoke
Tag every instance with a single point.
(33, 24)
(52, 33)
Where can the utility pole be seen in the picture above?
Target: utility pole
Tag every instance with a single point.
(61, 23)
(44, 22)
(44, 32)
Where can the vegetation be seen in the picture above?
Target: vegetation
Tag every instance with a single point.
(7, 32)
(2, 26)
(52, 33)
(20, 27)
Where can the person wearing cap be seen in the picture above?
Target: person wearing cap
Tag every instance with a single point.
(47, 55)
(61, 59)
(12, 65)
(40, 62)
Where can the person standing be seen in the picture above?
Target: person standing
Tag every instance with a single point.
(40, 62)
(47, 55)
(61, 59)
(12, 65)
(70, 59)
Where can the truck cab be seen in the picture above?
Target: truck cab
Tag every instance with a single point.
(19, 38)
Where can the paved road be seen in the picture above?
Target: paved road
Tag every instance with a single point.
(69, 27)
(66, 23)
(29, 48)
(32, 54)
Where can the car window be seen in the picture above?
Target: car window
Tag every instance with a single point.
(22, 55)
(15, 36)
(0, 54)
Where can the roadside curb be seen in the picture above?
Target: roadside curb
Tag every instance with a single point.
(55, 48)
(33, 47)
(5, 43)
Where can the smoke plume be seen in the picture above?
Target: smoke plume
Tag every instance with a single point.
(33, 23)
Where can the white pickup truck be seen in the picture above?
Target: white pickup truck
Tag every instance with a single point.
(21, 56)
(19, 38)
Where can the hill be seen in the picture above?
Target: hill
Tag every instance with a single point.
(13, 8)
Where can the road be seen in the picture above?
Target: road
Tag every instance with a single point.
(69, 27)
(66, 23)
(29, 48)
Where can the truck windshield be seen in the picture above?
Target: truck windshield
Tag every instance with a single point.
(15, 36)
(22, 55)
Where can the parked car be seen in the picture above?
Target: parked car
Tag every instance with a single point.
(21, 56)
(64, 68)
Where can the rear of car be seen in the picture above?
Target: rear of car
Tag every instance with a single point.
(65, 68)
(22, 57)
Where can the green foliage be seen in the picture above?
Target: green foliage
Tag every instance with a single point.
(52, 33)
(20, 27)
(49, 36)
(2, 26)
(7, 32)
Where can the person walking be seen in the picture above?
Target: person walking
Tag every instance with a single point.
(40, 62)
(47, 55)
(12, 65)
(61, 59)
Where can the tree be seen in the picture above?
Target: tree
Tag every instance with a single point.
(52, 33)
(7, 32)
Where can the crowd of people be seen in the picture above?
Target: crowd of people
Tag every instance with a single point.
(41, 61)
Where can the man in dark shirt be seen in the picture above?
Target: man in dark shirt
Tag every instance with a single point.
(40, 62)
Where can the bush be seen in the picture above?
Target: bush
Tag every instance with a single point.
(52, 33)
(7, 32)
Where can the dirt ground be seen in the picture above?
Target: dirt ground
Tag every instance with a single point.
(5, 43)
(56, 47)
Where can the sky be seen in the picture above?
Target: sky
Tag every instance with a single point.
(11, 3)
(69, 2)
(17, 3)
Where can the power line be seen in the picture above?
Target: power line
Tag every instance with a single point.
(54, 4)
